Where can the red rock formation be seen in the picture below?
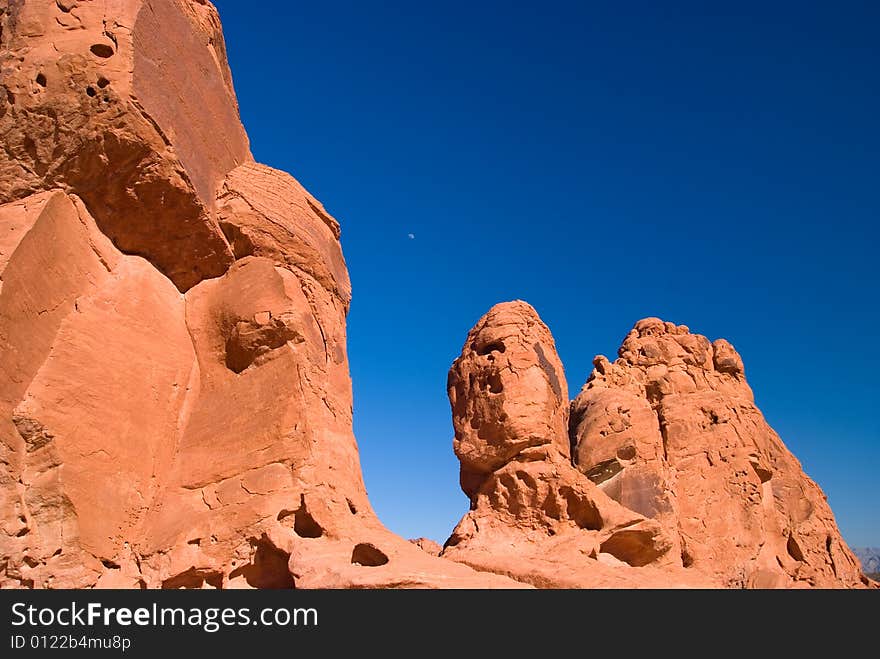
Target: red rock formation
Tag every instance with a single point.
(175, 401)
(533, 516)
(670, 429)
(428, 545)
(674, 477)
(121, 102)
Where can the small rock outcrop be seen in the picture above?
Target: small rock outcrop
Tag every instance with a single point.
(428, 545)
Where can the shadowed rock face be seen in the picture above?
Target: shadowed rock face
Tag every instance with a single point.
(672, 470)
(175, 401)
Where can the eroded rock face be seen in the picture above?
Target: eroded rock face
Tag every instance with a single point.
(428, 545)
(129, 105)
(674, 478)
(670, 429)
(175, 400)
(508, 393)
(532, 512)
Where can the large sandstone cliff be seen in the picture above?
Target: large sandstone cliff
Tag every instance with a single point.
(175, 400)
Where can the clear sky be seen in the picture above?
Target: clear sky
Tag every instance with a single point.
(714, 166)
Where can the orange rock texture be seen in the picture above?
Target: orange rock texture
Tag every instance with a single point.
(175, 399)
(661, 472)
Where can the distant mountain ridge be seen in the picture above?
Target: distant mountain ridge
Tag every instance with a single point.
(870, 558)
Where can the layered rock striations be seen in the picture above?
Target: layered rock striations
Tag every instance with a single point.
(664, 468)
(175, 401)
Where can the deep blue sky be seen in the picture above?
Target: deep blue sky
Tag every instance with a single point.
(716, 167)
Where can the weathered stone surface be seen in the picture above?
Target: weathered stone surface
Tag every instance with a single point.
(175, 400)
(428, 545)
(128, 104)
(531, 511)
(265, 212)
(674, 479)
(670, 429)
(508, 393)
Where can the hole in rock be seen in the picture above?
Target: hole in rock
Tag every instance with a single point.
(351, 507)
(686, 559)
(763, 473)
(475, 422)
(102, 50)
(304, 525)
(635, 547)
(495, 346)
(581, 510)
(794, 549)
(494, 382)
(41, 80)
(103, 82)
(193, 579)
(268, 567)
(368, 555)
(110, 565)
(91, 91)
(711, 417)
(626, 452)
(249, 339)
